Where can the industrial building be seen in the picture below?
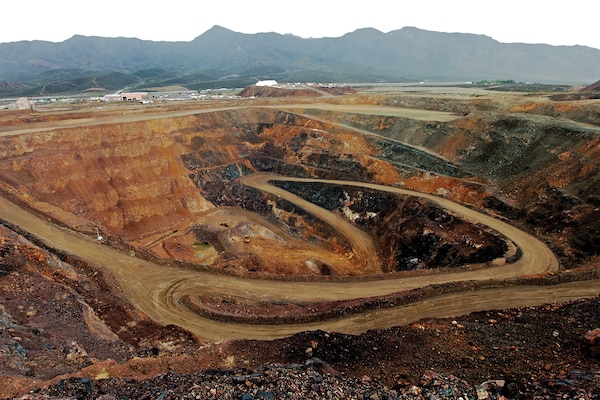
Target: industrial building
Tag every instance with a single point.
(126, 96)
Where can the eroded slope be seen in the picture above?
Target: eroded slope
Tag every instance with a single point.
(167, 187)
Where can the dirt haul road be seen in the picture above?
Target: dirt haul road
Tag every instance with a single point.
(156, 290)
(131, 114)
(536, 256)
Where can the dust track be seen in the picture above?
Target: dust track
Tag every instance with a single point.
(156, 290)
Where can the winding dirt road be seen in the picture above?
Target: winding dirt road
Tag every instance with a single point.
(536, 256)
(156, 290)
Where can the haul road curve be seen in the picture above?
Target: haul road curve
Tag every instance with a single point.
(156, 290)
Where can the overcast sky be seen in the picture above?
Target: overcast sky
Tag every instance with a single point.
(569, 22)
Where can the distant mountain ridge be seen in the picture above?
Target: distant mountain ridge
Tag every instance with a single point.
(224, 58)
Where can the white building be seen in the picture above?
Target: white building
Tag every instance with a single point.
(266, 83)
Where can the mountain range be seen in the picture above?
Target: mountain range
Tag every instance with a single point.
(224, 58)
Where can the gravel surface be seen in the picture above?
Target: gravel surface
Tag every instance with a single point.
(314, 380)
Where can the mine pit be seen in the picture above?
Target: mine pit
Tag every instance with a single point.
(158, 179)
(253, 222)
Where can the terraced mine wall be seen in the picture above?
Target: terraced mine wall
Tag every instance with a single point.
(539, 161)
(148, 179)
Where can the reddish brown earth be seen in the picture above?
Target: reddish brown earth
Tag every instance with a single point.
(61, 318)
(586, 93)
(267, 91)
(167, 189)
(296, 91)
(594, 87)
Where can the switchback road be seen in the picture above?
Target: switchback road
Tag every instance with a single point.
(155, 290)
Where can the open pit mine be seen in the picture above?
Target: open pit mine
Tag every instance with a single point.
(364, 234)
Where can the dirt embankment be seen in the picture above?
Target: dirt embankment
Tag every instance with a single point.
(121, 178)
(59, 314)
(296, 91)
(268, 91)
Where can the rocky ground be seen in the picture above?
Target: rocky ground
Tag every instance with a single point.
(65, 334)
(501, 354)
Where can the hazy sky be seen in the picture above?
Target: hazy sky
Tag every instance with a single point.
(528, 21)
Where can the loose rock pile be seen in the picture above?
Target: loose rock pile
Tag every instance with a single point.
(315, 379)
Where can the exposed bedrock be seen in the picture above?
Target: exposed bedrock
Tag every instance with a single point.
(168, 186)
(410, 233)
(539, 160)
